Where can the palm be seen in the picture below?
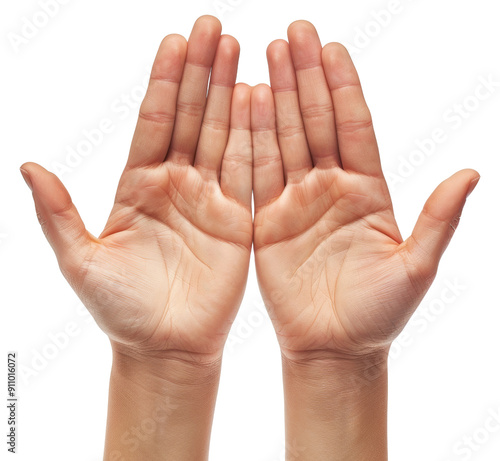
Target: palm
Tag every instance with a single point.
(168, 272)
(333, 269)
(326, 237)
(172, 259)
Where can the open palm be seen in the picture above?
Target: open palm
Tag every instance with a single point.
(333, 269)
(168, 272)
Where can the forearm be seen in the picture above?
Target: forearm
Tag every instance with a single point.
(159, 409)
(336, 410)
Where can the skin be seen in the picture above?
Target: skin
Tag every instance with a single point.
(166, 276)
(168, 272)
(339, 281)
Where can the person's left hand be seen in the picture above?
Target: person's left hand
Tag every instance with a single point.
(333, 269)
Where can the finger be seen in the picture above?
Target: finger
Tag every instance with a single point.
(215, 126)
(157, 113)
(291, 134)
(236, 170)
(268, 180)
(438, 221)
(60, 221)
(201, 49)
(356, 137)
(315, 98)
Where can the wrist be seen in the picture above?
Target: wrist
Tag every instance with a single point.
(157, 372)
(160, 407)
(336, 407)
(337, 372)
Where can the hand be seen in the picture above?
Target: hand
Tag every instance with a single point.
(333, 269)
(167, 274)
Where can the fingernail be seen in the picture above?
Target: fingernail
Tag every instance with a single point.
(473, 185)
(27, 178)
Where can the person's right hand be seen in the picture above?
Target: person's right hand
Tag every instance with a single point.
(167, 274)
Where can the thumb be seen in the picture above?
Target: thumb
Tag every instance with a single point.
(438, 221)
(58, 217)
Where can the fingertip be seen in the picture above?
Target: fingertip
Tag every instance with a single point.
(32, 172)
(230, 45)
(27, 178)
(468, 172)
(203, 41)
(336, 59)
(276, 49)
(210, 24)
(170, 57)
(240, 110)
(175, 43)
(262, 107)
(446, 203)
(225, 65)
(28, 166)
(305, 45)
(335, 51)
(242, 94)
(242, 86)
(206, 32)
(473, 184)
(32, 165)
(261, 94)
(297, 28)
(49, 188)
(464, 181)
(466, 175)
(24, 166)
(338, 65)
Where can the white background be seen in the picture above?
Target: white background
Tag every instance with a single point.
(424, 59)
